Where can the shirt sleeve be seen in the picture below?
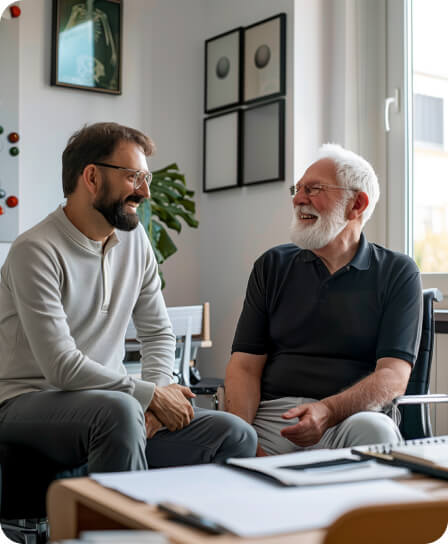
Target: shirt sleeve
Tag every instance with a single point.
(400, 329)
(35, 282)
(153, 327)
(252, 332)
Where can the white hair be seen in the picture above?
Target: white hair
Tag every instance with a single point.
(355, 172)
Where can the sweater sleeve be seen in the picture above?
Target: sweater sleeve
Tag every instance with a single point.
(153, 326)
(35, 279)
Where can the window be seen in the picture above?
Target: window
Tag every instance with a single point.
(428, 120)
(417, 146)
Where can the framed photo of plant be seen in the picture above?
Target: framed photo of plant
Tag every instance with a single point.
(86, 45)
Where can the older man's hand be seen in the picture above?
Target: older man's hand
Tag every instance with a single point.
(314, 420)
(170, 405)
(152, 424)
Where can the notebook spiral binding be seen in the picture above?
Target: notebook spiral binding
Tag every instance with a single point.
(386, 448)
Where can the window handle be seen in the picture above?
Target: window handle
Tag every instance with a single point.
(388, 103)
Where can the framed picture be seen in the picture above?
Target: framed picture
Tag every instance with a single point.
(223, 71)
(86, 45)
(264, 59)
(222, 151)
(263, 143)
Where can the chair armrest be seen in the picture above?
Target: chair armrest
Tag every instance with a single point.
(420, 399)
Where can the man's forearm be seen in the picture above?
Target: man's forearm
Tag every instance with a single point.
(372, 393)
(242, 394)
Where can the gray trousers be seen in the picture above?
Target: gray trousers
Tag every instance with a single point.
(359, 429)
(106, 431)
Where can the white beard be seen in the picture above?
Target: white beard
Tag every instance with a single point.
(322, 231)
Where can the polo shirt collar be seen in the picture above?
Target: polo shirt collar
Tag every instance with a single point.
(361, 260)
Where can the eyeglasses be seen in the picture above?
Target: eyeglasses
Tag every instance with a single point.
(313, 189)
(138, 176)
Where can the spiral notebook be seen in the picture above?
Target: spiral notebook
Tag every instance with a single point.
(426, 456)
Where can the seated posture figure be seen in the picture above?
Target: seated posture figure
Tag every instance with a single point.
(69, 287)
(331, 323)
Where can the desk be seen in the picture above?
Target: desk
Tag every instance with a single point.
(80, 504)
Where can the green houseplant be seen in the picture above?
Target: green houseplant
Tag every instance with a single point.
(170, 201)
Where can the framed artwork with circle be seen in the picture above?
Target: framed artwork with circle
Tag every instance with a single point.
(223, 71)
(264, 59)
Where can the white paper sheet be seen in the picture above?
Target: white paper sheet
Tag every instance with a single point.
(370, 470)
(252, 507)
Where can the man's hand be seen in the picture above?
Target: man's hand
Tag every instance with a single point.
(170, 405)
(152, 424)
(314, 420)
(260, 452)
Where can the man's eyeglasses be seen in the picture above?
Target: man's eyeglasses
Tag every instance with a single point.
(313, 189)
(139, 176)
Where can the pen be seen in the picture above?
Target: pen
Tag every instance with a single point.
(332, 464)
(184, 515)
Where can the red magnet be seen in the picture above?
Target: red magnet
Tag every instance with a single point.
(13, 137)
(12, 201)
(1, 211)
(15, 11)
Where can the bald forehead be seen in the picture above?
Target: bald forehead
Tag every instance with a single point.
(323, 170)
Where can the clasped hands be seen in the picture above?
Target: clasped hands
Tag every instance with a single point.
(169, 407)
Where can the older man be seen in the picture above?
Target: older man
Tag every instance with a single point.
(331, 324)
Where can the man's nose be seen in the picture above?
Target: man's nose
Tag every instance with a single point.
(300, 197)
(143, 190)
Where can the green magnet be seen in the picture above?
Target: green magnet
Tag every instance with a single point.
(14, 151)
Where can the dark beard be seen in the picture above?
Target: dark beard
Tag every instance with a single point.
(115, 214)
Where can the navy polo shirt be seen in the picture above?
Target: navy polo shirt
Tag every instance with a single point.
(322, 332)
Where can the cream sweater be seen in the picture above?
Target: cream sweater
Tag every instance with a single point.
(64, 308)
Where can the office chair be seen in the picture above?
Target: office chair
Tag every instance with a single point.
(414, 404)
(191, 326)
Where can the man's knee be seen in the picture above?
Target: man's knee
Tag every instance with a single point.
(121, 417)
(369, 428)
(237, 437)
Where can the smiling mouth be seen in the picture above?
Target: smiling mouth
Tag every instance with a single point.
(306, 216)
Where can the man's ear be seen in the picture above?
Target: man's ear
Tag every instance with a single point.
(357, 207)
(89, 178)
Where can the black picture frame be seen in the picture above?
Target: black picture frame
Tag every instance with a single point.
(265, 59)
(87, 45)
(263, 143)
(222, 151)
(223, 70)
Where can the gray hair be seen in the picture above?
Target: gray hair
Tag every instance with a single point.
(355, 172)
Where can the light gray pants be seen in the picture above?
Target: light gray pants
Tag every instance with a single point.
(106, 430)
(359, 429)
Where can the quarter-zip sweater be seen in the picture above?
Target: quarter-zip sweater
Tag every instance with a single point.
(65, 303)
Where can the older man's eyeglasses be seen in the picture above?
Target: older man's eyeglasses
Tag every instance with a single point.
(313, 189)
(139, 176)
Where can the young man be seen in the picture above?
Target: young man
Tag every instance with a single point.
(331, 324)
(68, 289)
